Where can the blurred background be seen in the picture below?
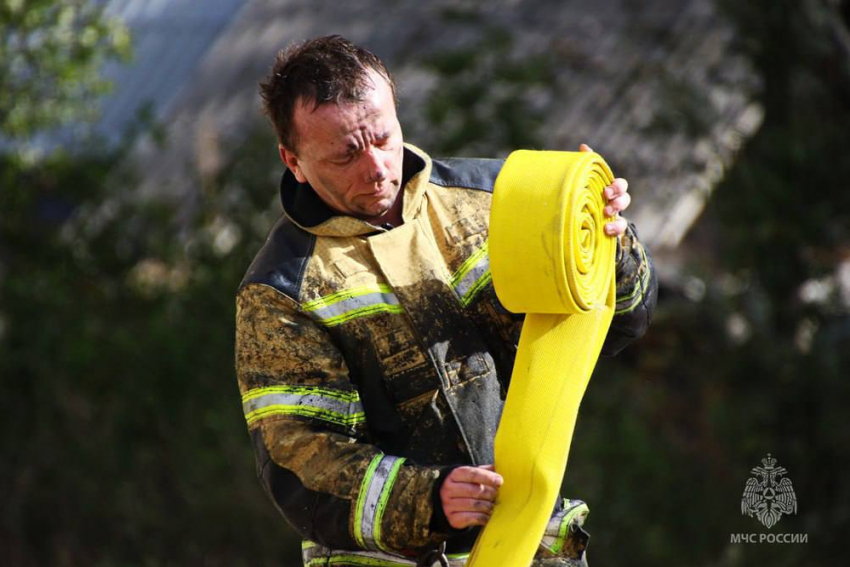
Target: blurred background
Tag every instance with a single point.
(138, 178)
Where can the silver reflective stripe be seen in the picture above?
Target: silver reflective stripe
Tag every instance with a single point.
(315, 555)
(335, 406)
(467, 286)
(473, 275)
(355, 303)
(630, 301)
(378, 486)
(311, 400)
(348, 304)
(553, 528)
(574, 511)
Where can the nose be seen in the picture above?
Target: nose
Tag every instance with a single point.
(376, 169)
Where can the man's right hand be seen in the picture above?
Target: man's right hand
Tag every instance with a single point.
(468, 495)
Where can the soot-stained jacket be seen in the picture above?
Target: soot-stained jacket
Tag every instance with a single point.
(371, 359)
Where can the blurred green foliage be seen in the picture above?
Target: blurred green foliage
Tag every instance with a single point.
(51, 55)
(741, 359)
(123, 441)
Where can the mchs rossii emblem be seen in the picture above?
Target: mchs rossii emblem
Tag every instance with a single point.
(768, 494)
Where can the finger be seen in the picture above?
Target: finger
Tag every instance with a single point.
(616, 227)
(618, 187)
(468, 490)
(476, 475)
(462, 520)
(468, 505)
(618, 205)
(584, 148)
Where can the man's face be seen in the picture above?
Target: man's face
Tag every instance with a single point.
(350, 153)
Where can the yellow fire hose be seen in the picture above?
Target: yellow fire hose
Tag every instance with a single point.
(551, 259)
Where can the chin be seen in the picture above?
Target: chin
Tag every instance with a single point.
(378, 212)
(380, 206)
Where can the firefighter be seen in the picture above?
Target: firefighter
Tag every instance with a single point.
(372, 354)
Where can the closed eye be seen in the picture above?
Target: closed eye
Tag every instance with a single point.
(343, 160)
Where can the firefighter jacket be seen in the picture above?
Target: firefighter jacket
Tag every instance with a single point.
(373, 359)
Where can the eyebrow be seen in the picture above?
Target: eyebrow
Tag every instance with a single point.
(344, 154)
(353, 148)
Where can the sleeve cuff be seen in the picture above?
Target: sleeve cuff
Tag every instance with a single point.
(439, 521)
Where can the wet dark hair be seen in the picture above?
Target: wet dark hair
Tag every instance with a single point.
(320, 70)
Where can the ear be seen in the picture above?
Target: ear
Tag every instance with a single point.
(291, 160)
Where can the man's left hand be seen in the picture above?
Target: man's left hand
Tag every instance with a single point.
(618, 201)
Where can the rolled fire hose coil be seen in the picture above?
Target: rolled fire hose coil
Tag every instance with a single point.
(550, 259)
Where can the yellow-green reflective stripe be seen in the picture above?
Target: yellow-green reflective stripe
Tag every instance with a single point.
(642, 281)
(394, 466)
(303, 411)
(639, 289)
(479, 284)
(361, 499)
(372, 499)
(473, 275)
(362, 312)
(563, 525)
(469, 263)
(328, 300)
(363, 560)
(335, 406)
(314, 555)
(342, 395)
(348, 304)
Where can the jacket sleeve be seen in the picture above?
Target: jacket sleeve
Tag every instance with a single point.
(309, 432)
(637, 293)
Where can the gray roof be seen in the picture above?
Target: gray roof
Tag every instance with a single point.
(170, 39)
(655, 86)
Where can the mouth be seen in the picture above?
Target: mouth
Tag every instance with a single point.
(381, 191)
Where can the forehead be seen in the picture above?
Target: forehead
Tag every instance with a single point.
(339, 123)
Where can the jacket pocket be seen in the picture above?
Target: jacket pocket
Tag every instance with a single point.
(463, 370)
